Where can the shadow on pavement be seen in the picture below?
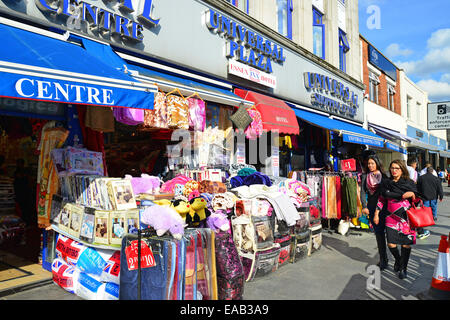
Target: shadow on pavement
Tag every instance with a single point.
(343, 247)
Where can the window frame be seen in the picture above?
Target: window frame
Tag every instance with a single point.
(409, 107)
(374, 82)
(344, 47)
(391, 94)
(289, 9)
(236, 4)
(319, 15)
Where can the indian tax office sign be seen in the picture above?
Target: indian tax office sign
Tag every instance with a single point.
(122, 21)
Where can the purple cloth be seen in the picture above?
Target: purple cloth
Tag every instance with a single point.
(255, 178)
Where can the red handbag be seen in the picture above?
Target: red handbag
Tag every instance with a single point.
(420, 217)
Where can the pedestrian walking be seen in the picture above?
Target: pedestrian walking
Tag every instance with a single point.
(412, 169)
(441, 174)
(370, 191)
(424, 170)
(395, 196)
(430, 189)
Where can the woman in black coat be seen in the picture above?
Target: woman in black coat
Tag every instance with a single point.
(370, 191)
(396, 196)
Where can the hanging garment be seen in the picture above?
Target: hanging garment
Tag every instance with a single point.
(350, 196)
(255, 129)
(129, 116)
(331, 198)
(177, 112)
(324, 197)
(338, 197)
(202, 281)
(156, 280)
(158, 118)
(197, 114)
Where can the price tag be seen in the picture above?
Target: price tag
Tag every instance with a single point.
(147, 259)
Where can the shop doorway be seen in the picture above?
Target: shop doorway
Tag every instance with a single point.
(20, 237)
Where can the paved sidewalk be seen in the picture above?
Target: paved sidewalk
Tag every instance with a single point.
(336, 272)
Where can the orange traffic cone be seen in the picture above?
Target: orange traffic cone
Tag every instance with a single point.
(440, 284)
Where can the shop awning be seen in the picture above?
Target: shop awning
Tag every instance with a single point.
(444, 154)
(275, 113)
(388, 133)
(395, 147)
(45, 68)
(350, 133)
(422, 145)
(168, 82)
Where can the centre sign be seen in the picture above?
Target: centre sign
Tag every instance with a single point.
(128, 26)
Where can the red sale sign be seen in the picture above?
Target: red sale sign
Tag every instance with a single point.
(147, 259)
(348, 165)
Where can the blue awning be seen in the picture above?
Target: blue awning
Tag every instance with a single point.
(168, 82)
(415, 143)
(350, 133)
(388, 133)
(38, 67)
(444, 154)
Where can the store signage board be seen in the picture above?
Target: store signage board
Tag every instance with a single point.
(417, 134)
(183, 39)
(378, 60)
(439, 115)
(252, 74)
(32, 106)
(331, 95)
(122, 22)
(361, 140)
(250, 55)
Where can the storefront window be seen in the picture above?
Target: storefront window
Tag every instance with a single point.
(284, 14)
(318, 34)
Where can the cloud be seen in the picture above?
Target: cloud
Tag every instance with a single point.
(438, 90)
(436, 59)
(394, 50)
(439, 39)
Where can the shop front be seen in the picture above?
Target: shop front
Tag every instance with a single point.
(420, 148)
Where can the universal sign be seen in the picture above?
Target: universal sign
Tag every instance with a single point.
(244, 45)
(103, 20)
(320, 85)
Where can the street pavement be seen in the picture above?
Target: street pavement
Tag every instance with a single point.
(338, 271)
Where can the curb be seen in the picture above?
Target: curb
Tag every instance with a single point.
(25, 287)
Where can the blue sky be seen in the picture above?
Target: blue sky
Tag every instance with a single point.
(415, 36)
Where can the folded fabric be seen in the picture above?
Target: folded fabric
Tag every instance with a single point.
(255, 178)
(246, 172)
(281, 203)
